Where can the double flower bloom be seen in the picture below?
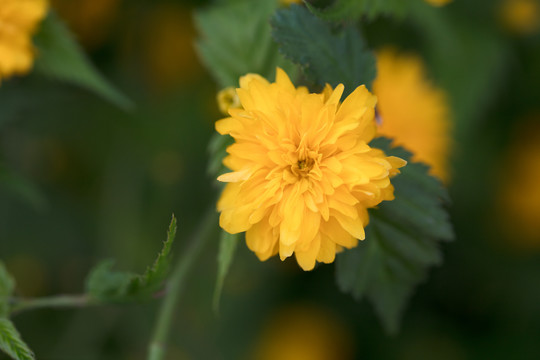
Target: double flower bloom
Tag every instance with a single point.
(303, 174)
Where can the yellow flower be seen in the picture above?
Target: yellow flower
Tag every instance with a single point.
(303, 172)
(520, 16)
(413, 112)
(438, 2)
(18, 21)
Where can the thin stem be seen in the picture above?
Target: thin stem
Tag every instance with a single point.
(156, 350)
(61, 301)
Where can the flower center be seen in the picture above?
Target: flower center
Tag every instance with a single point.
(303, 167)
(306, 164)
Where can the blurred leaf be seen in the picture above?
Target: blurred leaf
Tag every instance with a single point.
(60, 56)
(227, 248)
(7, 285)
(217, 149)
(326, 55)
(401, 241)
(107, 285)
(354, 9)
(236, 40)
(11, 342)
(21, 187)
(468, 60)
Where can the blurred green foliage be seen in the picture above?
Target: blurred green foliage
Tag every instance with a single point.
(109, 180)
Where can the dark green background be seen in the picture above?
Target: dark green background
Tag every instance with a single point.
(92, 182)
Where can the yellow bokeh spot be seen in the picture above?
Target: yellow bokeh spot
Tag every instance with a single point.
(438, 2)
(304, 333)
(519, 195)
(521, 16)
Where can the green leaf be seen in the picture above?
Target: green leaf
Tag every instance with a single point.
(327, 55)
(480, 58)
(217, 150)
(235, 40)
(21, 187)
(402, 241)
(11, 342)
(107, 285)
(60, 57)
(354, 9)
(159, 270)
(7, 285)
(227, 248)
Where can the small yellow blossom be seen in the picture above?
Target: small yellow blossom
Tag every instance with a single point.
(413, 112)
(521, 16)
(18, 21)
(227, 99)
(438, 2)
(303, 172)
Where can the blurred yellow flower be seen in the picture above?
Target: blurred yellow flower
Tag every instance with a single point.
(304, 333)
(303, 172)
(413, 112)
(521, 16)
(18, 22)
(438, 2)
(519, 201)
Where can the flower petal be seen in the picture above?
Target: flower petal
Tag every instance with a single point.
(306, 259)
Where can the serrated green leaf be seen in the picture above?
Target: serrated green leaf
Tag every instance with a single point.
(354, 9)
(227, 248)
(327, 55)
(107, 285)
(402, 241)
(160, 268)
(59, 56)
(7, 285)
(11, 342)
(235, 40)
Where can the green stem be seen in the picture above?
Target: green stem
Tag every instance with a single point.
(156, 350)
(60, 301)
